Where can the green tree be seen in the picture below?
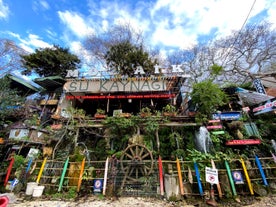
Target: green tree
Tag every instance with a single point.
(9, 99)
(124, 57)
(119, 48)
(208, 97)
(50, 61)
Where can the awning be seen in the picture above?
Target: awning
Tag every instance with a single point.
(50, 83)
(22, 85)
(251, 98)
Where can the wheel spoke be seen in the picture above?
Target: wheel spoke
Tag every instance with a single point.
(137, 173)
(131, 171)
(143, 171)
(136, 161)
(141, 152)
(145, 155)
(131, 178)
(132, 152)
(147, 169)
(129, 156)
(137, 150)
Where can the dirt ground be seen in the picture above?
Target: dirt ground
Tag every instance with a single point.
(269, 201)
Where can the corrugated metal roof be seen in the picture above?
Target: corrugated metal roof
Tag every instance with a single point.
(251, 98)
(50, 83)
(22, 84)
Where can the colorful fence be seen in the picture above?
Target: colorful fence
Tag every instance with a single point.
(179, 178)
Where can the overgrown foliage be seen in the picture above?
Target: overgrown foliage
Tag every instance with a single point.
(10, 100)
(122, 48)
(207, 97)
(124, 57)
(54, 61)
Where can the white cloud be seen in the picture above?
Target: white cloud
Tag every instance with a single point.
(165, 23)
(199, 17)
(105, 25)
(4, 10)
(34, 40)
(30, 43)
(44, 4)
(177, 23)
(40, 5)
(75, 23)
(77, 48)
(175, 37)
(51, 34)
(272, 13)
(118, 12)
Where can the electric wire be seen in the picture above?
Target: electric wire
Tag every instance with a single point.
(235, 40)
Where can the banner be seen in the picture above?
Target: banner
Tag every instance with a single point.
(265, 107)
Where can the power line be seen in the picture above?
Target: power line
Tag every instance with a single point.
(244, 23)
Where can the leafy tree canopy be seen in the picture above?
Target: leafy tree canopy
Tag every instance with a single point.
(50, 62)
(120, 49)
(208, 97)
(124, 57)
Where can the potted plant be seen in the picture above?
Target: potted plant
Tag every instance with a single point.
(125, 115)
(75, 112)
(169, 110)
(100, 114)
(146, 111)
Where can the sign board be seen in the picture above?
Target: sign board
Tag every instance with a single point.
(158, 70)
(214, 127)
(265, 107)
(259, 86)
(211, 175)
(139, 96)
(237, 177)
(118, 85)
(234, 115)
(98, 185)
(19, 134)
(243, 142)
(33, 153)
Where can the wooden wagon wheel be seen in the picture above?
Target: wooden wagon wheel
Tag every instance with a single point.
(136, 161)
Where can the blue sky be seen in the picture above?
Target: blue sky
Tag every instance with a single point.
(168, 24)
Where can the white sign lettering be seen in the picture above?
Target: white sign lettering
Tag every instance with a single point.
(72, 74)
(139, 70)
(176, 69)
(123, 85)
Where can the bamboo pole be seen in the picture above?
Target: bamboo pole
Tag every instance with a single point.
(161, 180)
(41, 170)
(81, 174)
(218, 185)
(230, 178)
(63, 174)
(180, 176)
(247, 177)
